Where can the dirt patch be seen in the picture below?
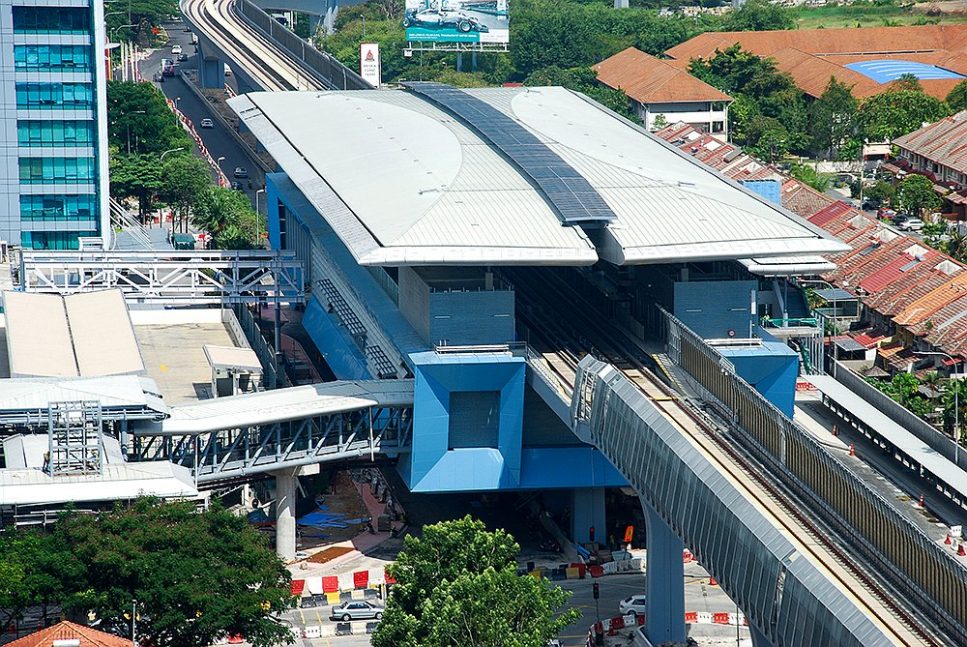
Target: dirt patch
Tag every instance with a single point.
(330, 554)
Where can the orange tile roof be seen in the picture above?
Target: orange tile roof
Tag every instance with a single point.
(68, 630)
(812, 56)
(647, 79)
(938, 298)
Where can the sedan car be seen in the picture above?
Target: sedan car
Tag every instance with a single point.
(176, 49)
(182, 57)
(912, 224)
(207, 123)
(356, 610)
(633, 605)
(240, 172)
(436, 19)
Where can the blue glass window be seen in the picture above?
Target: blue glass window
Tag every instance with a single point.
(55, 96)
(36, 132)
(57, 207)
(56, 170)
(53, 239)
(51, 20)
(52, 58)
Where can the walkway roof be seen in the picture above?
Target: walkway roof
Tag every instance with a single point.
(406, 179)
(282, 405)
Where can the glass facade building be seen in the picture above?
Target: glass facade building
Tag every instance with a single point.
(53, 171)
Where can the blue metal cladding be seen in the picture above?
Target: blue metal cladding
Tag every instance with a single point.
(572, 196)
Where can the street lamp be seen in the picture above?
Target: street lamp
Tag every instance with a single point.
(177, 99)
(173, 150)
(953, 362)
(258, 217)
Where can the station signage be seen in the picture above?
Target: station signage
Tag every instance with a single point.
(369, 67)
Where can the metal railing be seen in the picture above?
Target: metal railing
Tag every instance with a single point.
(325, 67)
(275, 376)
(121, 218)
(874, 528)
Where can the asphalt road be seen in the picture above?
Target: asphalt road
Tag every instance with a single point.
(217, 140)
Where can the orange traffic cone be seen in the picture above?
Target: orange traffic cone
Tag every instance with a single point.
(947, 540)
(852, 449)
(712, 581)
(960, 551)
(835, 431)
(921, 502)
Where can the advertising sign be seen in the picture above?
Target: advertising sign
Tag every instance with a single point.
(457, 21)
(369, 67)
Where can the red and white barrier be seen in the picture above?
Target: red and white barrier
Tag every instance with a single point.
(333, 585)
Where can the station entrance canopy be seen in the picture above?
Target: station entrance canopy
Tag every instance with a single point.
(434, 175)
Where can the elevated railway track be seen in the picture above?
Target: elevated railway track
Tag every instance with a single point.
(563, 334)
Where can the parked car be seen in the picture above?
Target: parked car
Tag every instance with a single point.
(633, 605)
(237, 186)
(356, 610)
(240, 172)
(912, 224)
(176, 49)
(182, 57)
(207, 123)
(871, 204)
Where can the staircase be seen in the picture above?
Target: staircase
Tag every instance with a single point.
(122, 218)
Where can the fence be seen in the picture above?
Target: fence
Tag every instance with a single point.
(327, 69)
(875, 529)
(275, 375)
(900, 415)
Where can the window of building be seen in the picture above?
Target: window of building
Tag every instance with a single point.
(718, 126)
(35, 132)
(55, 96)
(52, 58)
(51, 20)
(53, 239)
(56, 170)
(56, 207)
(474, 419)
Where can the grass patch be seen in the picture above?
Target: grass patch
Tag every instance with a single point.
(868, 14)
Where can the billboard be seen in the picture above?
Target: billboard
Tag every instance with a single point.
(457, 21)
(369, 67)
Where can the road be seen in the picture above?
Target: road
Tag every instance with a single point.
(219, 142)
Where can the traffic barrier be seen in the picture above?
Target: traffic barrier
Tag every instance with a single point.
(360, 579)
(961, 552)
(720, 618)
(314, 631)
(299, 585)
(687, 556)
(712, 581)
(333, 597)
(921, 502)
(691, 617)
(595, 571)
(852, 449)
(330, 584)
(346, 581)
(572, 573)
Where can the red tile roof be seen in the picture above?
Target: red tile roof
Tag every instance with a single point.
(868, 340)
(826, 214)
(647, 79)
(885, 275)
(944, 142)
(68, 630)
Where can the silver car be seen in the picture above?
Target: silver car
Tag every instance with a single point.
(356, 610)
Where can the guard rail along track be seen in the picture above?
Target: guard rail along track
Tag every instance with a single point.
(323, 67)
(909, 559)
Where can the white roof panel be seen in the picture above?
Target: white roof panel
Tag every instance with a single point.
(103, 336)
(285, 404)
(35, 348)
(35, 394)
(232, 357)
(404, 183)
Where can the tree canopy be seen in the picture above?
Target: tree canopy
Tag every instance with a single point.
(139, 120)
(832, 121)
(457, 586)
(957, 99)
(915, 193)
(900, 110)
(229, 217)
(196, 576)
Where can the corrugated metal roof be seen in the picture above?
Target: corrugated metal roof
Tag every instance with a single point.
(36, 393)
(404, 182)
(240, 411)
(943, 142)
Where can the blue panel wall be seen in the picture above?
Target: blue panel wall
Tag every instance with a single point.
(713, 308)
(341, 353)
(472, 317)
(771, 369)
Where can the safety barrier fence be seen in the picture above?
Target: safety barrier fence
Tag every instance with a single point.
(899, 414)
(275, 375)
(908, 557)
(610, 626)
(189, 127)
(326, 68)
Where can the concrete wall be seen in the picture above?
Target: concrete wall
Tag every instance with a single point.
(713, 308)
(415, 301)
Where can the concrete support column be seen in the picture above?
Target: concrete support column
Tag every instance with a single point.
(758, 638)
(664, 582)
(285, 486)
(212, 69)
(587, 509)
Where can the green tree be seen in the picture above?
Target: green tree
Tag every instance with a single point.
(915, 193)
(196, 577)
(898, 111)
(935, 234)
(139, 120)
(185, 180)
(831, 119)
(229, 217)
(809, 175)
(459, 571)
(34, 570)
(881, 190)
(759, 15)
(137, 176)
(957, 99)
(768, 138)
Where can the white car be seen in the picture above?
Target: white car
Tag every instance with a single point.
(176, 49)
(633, 606)
(207, 123)
(913, 224)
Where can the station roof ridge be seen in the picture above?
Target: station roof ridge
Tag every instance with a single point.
(405, 180)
